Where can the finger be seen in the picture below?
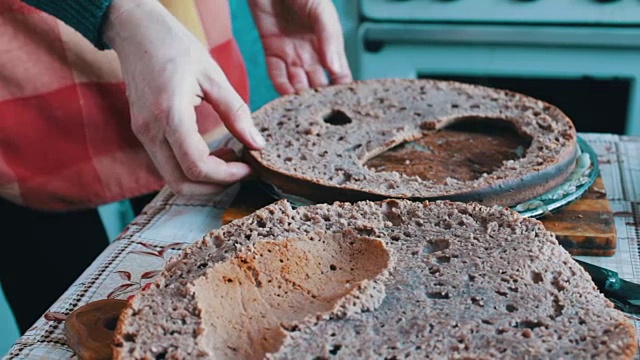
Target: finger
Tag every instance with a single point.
(168, 167)
(278, 73)
(317, 77)
(298, 78)
(192, 152)
(332, 53)
(343, 76)
(233, 111)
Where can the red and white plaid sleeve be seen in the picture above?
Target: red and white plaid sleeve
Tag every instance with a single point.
(65, 135)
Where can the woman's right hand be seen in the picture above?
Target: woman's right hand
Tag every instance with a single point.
(167, 73)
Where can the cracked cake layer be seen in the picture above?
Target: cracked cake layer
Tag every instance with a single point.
(390, 279)
(319, 141)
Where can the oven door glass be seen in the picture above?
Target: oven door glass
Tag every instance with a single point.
(595, 105)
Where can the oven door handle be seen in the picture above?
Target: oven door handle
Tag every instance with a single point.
(375, 35)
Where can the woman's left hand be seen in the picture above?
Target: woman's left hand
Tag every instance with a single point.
(302, 42)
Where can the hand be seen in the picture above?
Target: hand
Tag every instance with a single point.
(167, 73)
(301, 39)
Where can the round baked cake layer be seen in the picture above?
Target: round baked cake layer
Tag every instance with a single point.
(391, 279)
(319, 141)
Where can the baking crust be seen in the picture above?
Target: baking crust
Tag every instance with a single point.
(552, 134)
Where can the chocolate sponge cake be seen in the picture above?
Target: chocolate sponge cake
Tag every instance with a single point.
(319, 141)
(387, 280)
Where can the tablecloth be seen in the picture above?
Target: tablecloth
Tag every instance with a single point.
(169, 223)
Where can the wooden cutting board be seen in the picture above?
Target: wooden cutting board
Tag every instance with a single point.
(465, 152)
(586, 227)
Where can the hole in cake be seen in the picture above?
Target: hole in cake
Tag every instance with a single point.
(558, 307)
(334, 349)
(557, 283)
(337, 117)
(277, 284)
(530, 324)
(477, 301)
(436, 245)
(438, 295)
(434, 270)
(464, 151)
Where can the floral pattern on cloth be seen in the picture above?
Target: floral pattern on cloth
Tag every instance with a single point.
(132, 285)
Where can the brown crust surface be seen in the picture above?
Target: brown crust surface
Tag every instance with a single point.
(320, 140)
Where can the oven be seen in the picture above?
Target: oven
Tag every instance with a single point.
(580, 55)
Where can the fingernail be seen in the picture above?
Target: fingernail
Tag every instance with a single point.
(257, 137)
(334, 62)
(239, 170)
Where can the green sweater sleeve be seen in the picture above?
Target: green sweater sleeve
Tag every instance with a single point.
(86, 16)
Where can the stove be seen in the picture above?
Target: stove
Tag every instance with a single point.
(580, 55)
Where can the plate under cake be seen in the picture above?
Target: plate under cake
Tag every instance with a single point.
(413, 139)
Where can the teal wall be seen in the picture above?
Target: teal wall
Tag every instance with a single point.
(261, 90)
(8, 327)
(116, 215)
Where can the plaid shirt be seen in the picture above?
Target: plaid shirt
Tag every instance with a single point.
(65, 136)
